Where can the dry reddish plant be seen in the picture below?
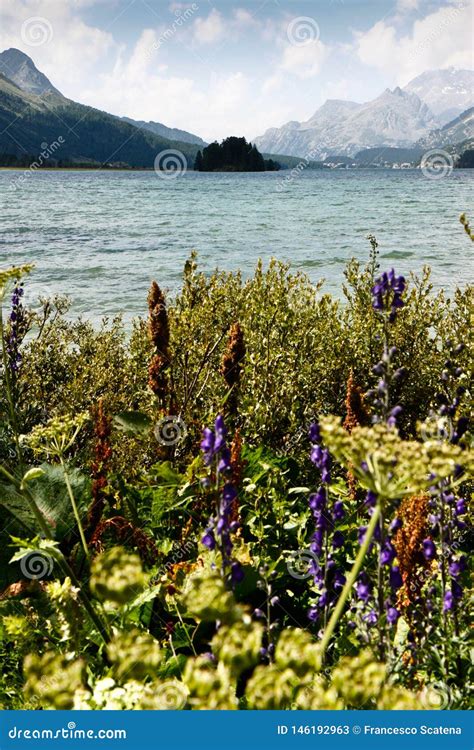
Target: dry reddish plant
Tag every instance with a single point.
(408, 542)
(159, 334)
(231, 366)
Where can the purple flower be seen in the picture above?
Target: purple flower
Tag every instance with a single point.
(370, 499)
(371, 618)
(395, 577)
(337, 539)
(386, 293)
(429, 549)
(387, 554)
(338, 510)
(317, 500)
(209, 540)
(448, 602)
(339, 580)
(313, 614)
(363, 589)
(395, 525)
(456, 567)
(315, 433)
(392, 615)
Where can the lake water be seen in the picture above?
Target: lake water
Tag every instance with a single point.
(100, 237)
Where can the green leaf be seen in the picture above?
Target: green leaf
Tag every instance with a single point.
(133, 422)
(50, 493)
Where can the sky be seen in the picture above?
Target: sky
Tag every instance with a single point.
(219, 68)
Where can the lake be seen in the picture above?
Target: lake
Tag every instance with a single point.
(101, 236)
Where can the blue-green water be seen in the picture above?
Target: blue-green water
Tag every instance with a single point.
(100, 237)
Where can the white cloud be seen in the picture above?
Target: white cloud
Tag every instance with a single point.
(210, 29)
(439, 40)
(304, 61)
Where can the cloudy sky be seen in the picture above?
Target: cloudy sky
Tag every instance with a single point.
(217, 67)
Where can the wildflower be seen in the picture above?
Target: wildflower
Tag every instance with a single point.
(387, 554)
(387, 294)
(223, 524)
(371, 617)
(392, 615)
(456, 567)
(58, 435)
(17, 326)
(15, 273)
(448, 601)
(209, 540)
(429, 549)
(395, 578)
(363, 589)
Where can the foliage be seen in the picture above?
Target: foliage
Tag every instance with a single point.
(257, 500)
(233, 155)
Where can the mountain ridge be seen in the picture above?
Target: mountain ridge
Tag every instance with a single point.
(397, 118)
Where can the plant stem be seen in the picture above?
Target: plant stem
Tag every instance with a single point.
(351, 578)
(75, 508)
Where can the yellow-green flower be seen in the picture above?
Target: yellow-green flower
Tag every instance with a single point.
(57, 436)
(15, 273)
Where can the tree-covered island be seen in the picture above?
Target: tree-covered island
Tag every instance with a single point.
(233, 155)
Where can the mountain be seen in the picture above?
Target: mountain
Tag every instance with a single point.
(19, 68)
(396, 118)
(460, 130)
(447, 92)
(88, 135)
(173, 134)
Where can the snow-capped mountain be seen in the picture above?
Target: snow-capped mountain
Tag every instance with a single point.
(447, 92)
(19, 68)
(395, 118)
